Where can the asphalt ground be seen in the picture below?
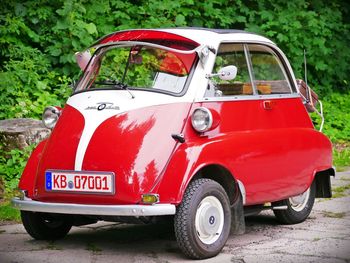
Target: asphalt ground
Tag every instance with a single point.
(323, 238)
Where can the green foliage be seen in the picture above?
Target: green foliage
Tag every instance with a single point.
(41, 37)
(8, 213)
(28, 85)
(337, 116)
(11, 166)
(319, 27)
(341, 158)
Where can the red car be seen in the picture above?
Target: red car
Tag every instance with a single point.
(203, 125)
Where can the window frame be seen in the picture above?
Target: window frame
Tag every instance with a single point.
(280, 63)
(101, 49)
(255, 96)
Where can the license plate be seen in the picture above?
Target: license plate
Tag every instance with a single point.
(85, 182)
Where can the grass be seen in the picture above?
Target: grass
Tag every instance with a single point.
(340, 191)
(334, 215)
(92, 247)
(8, 213)
(343, 178)
(51, 246)
(341, 156)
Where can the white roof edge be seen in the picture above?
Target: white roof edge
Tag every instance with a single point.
(207, 37)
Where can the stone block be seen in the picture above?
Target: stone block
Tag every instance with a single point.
(19, 133)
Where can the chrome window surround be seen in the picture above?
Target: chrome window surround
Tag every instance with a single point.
(250, 69)
(250, 97)
(286, 65)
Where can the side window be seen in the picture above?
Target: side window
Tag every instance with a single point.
(231, 54)
(268, 71)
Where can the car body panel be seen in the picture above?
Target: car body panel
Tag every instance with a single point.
(101, 146)
(246, 142)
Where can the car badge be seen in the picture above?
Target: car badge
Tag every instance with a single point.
(103, 106)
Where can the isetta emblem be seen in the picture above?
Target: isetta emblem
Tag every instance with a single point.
(102, 106)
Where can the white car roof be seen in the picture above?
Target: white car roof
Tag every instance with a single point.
(206, 36)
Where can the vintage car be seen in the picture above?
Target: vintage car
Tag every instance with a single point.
(194, 125)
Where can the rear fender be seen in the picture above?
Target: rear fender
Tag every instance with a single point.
(253, 161)
(27, 180)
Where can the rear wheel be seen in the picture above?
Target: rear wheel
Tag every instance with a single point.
(298, 207)
(43, 226)
(203, 219)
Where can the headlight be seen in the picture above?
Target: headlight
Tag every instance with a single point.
(202, 119)
(50, 116)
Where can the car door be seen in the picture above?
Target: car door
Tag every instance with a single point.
(282, 127)
(263, 115)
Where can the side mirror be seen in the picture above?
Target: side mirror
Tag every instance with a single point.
(225, 73)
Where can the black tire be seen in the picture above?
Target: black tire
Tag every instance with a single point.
(42, 226)
(296, 212)
(209, 200)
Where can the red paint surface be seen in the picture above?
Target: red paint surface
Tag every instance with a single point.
(135, 145)
(60, 149)
(153, 36)
(274, 152)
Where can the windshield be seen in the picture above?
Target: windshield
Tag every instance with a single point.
(138, 67)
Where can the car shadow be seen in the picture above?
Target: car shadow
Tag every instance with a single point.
(151, 239)
(142, 239)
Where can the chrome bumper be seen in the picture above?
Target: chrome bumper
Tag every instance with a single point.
(28, 204)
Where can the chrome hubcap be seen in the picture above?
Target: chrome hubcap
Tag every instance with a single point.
(209, 221)
(299, 202)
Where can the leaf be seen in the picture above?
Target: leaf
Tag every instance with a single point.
(62, 24)
(91, 28)
(55, 51)
(180, 20)
(20, 10)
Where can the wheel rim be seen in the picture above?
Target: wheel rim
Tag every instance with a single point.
(209, 221)
(298, 202)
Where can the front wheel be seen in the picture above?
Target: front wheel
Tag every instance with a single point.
(203, 219)
(44, 226)
(298, 207)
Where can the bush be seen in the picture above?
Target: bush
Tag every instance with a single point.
(12, 165)
(28, 85)
(337, 116)
(39, 38)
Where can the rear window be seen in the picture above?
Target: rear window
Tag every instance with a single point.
(138, 67)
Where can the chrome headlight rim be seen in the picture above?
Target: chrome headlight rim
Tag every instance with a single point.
(208, 120)
(50, 116)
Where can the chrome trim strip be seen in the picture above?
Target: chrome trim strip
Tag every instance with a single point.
(107, 210)
(250, 97)
(250, 68)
